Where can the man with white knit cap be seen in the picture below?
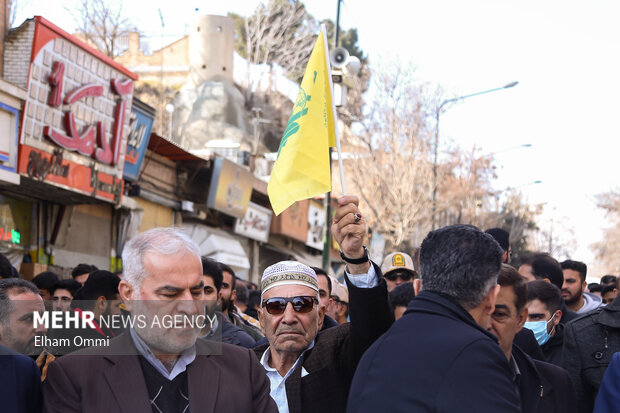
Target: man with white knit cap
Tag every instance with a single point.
(311, 371)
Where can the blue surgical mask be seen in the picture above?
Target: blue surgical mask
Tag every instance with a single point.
(539, 328)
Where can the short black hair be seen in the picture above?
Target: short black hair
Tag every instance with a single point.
(501, 236)
(321, 271)
(83, 269)
(242, 292)
(510, 277)
(546, 293)
(70, 285)
(402, 295)
(13, 286)
(608, 288)
(578, 266)
(229, 270)
(545, 266)
(99, 283)
(46, 280)
(211, 268)
(6, 268)
(460, 261)
(594, 287)
(253, 299)
(608, 279)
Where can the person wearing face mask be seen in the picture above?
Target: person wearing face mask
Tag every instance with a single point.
(544, 302)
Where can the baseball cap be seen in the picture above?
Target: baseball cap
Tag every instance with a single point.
(397, 261)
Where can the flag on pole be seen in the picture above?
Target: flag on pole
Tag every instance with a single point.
(302, 169)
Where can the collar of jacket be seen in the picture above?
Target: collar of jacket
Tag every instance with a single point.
(532, 382)
(610, 314)
(432, 302)
(557, 340)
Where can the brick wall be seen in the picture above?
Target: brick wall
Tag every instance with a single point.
(17, 49)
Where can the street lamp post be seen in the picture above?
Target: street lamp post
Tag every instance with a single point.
(436, 146)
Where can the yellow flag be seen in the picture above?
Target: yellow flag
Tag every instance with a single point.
(302, 169)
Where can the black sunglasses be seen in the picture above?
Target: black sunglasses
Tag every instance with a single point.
(392, 276)
(301, 304)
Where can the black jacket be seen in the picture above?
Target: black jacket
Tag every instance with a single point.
(20, 389)
(435, 358)
(589, 344)
(332, 361)
(543, 387)
(526, 341)
(552, 349)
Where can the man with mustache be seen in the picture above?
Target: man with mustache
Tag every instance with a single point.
(311, 371)
(153, 366)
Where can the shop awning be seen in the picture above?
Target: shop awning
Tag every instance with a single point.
(226, 250)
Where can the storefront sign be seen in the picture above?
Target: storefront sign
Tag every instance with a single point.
(316, 224)
(255, 224)
(9, 128)
(76, 117)
(293, 221)
(230, 189)
(140, 125)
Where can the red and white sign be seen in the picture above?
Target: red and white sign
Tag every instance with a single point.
(76, 118)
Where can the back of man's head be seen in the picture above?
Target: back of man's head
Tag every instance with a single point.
(211, 268)
(545, 266)
(462, 262)
(6, 269)
(546, 293)
(242, 292)
(510, 277)
(501, 236)
(608, 280)
(402, 295)
(100, 283)
(46, 280)
(578, 266)
(83, 269)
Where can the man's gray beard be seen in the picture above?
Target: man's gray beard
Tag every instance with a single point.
(156, 337)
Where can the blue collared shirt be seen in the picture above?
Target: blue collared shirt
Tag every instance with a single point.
(185, 358)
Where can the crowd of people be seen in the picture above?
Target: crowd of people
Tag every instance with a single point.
(460, 330)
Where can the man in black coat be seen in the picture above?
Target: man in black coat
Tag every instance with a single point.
(439, 357)
(311, 371)
(544, 303)
(20, 383)
(590, 341)
(542, 387)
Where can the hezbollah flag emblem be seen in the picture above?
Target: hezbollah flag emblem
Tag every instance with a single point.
(302, 169)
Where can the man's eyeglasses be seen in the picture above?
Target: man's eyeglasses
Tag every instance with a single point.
(404, 275)
(301, 304)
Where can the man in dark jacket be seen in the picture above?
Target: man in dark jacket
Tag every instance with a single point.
(311, 371)
(544, 304)
(20, 383)
(542, 387)
(590, 341)
(439, 357)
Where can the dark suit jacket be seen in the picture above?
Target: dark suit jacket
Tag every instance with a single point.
(332, 361)
(543, 387)
(20, 383)
(608, 399)
(437, 359)
(590, 341)
(526, 341)
(232, 381)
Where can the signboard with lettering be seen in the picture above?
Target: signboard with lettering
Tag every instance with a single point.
(76, 118)
(8, 146)
(231, 188)
(140, 124)
(293, 221)
(255, 224)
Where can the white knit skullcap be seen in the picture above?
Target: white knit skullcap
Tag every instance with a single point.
(289, 273)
